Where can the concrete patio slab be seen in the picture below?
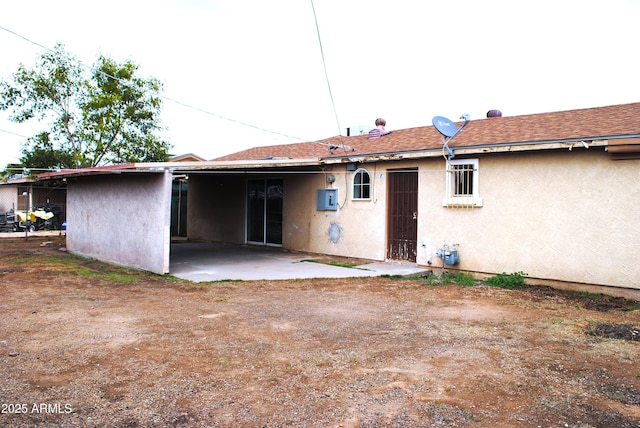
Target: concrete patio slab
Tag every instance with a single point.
(27, 235)
(204, 261)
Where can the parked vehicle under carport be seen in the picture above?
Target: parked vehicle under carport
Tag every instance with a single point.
(41, 218)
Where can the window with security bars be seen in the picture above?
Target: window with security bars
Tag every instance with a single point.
(462, 184)
(361, 184)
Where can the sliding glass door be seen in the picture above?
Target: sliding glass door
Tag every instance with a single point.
(264, 212)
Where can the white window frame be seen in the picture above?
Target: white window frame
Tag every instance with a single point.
(470, 200)
(353, 185)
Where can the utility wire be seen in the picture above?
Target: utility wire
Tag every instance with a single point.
(326, 74)
(227, 118)
(24, 38)
(13, 133)
(180, 103)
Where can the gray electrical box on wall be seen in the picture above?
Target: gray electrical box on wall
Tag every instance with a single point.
(327, 200)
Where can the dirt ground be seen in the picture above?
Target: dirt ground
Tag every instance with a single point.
(83, 343)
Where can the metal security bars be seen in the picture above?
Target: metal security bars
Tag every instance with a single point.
(462, 184)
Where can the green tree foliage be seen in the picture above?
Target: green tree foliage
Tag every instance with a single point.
(106, 115)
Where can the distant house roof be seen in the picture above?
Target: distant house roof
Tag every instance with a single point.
(618, 121)
(188, 157)
(318, 149)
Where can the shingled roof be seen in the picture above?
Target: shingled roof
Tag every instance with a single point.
(599, 123)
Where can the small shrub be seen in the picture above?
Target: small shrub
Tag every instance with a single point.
(465, 279)
(443, 279)
(432, 279)
(511, 281)
(461, 278)
(447, 278)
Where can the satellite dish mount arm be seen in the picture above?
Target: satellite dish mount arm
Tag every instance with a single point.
(448, 130)
(446, 147)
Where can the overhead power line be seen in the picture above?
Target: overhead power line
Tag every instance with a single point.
(13, 133)
(326, 75)
(227, 118)
(180, 103)
(24, 38)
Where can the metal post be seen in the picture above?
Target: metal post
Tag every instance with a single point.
(26, 213)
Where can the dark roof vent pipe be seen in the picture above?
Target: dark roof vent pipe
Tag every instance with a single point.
(494, 113)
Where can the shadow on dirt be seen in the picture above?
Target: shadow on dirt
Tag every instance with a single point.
(600, 303)
(615, 331)
(591, 301)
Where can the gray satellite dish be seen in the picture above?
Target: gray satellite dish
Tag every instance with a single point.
(445, 126)
(448, 130)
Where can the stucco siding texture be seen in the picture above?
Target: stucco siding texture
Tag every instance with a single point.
(355, 229)
(8, 198)
(123, 219)
(299, 210)
(567, 216)
(217, 207)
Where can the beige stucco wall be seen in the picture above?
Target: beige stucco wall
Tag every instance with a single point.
(555, 215)
(217, 212)
(299, 209)
(565, 216)
(356, 228)
(216, 208)
(562, 216)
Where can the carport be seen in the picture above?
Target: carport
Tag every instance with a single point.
(122, 214)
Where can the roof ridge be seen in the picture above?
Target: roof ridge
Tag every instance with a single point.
(612, 121)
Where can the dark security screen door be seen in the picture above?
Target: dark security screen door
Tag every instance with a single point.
(402, 223)
(264, 212)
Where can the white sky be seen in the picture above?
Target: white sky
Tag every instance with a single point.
(259, 62)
